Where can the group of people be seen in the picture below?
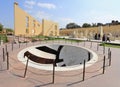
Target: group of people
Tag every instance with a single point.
(97, 36)
(105, 37)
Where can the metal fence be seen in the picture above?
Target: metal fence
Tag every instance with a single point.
(7, 61)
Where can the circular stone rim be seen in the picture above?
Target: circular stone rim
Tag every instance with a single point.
(49, 67)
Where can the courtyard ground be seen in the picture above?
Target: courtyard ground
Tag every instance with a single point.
(41, 78)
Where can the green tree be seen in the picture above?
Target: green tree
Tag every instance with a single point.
(9, 30)
(100, 24)
(94, 25)
(1, 27)
(72, 25)
(86, 25)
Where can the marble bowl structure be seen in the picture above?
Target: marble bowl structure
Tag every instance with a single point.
(66, 57)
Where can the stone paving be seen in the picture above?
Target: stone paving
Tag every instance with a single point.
(41, 78)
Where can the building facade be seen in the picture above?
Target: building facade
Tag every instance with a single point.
(113, 30)
(25, 24)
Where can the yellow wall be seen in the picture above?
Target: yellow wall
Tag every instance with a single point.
(79, 32)
(24, 24)
(20, 23)
(50, 28)
(86, 32)
(115, 30)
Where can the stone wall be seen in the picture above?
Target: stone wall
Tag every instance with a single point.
(113, 30)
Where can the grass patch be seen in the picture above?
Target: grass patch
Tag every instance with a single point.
(4, 38)
(54, 38)
(72, 40)
(110, 45)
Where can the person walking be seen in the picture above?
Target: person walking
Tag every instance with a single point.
(108, 37)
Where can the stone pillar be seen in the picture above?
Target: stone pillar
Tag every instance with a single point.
(100, 31)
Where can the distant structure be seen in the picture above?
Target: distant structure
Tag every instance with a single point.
(24, 24)
(114, 22)
(113, 29)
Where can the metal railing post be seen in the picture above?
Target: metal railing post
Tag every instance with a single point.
(104, 65)
(53, 78)
(7, 61)
(110, 58)
(84, 70)
(97, 47)
(12, 46)
(6, 49)
(26, 68)
(103, 48)
(3, 55)
(88, 56)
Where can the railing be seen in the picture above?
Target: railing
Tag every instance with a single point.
(7, 58)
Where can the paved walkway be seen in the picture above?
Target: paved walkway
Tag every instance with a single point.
(41, 78)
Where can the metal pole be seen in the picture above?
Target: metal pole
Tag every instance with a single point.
(110, 58)
(84, 70)
(53, 79)
(7, 61)
(103, 48)
(104, 65)
(97, 47)
(88, 56)
(26, 68)
(6, 48)
(3, 55)
(0, 40)
(108, 53)
(12, 46)
(19, 41)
